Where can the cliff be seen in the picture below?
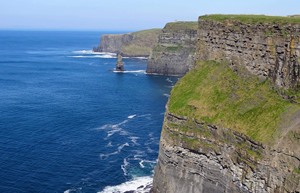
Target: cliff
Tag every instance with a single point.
(233, 123)
(268, 47)
(174, 52)
(136, 44)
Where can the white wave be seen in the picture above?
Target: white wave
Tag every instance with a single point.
(93, 56)
(145, 115)
(83, 52)
(92, 52)
(138, 185)
(138, 154)
(149, 150)
(109, 144)
(141, 164)
(134, 140)
(166, 95)
(115, 130)
(131, 71)
(131, 116)
(123, 167)
(105, 156)
(111, 126)
(122, 146)
(169, 80)
(142, 58)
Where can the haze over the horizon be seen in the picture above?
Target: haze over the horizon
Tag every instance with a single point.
(126, 15)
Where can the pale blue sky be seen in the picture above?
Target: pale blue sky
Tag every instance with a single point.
(126, 14)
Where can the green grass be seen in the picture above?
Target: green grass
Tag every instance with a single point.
(182, 25)
(213, 93)
(169, 48)
(149, 32)
(297, 170)
(252, 18)
(142, 43)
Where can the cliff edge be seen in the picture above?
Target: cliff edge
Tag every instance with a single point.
(233, 122)
(136, 44)
(174, 52)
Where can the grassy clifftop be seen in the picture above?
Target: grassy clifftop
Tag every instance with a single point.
(134, 44)
(182, 25)
(251, 19)
(142, 43)
(214, 94)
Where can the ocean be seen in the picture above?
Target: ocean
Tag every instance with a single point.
(68, 123)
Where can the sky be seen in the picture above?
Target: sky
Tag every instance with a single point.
(126, 14)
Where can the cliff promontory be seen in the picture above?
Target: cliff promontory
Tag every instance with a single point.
(233, 122)
(136, 44)
(174, 52)
(267, 46)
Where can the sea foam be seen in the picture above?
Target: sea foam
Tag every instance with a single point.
(138, 185)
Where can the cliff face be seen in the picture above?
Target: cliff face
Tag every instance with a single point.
(266, 49)
(226, 129)
(136, 44)
(113, 42)
(210, 159)
(174, 52)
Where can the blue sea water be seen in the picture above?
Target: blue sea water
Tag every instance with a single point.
(68, 123)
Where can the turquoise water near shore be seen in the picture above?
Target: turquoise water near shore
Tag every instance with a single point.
(68, 123)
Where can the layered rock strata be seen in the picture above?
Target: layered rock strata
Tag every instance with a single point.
(174, 52)
(229, 129)
(215, 160)
(266, 49)
(136, 44)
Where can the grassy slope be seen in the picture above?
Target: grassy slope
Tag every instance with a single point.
(142, 43)
(252, 18)
(182, 25)
(213, 93)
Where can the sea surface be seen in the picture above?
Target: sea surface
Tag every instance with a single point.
(68, 123)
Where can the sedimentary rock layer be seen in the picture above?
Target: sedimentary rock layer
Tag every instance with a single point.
(174, 52)
(227, 128)
(136, 44)
(209, 159)
(268, 49)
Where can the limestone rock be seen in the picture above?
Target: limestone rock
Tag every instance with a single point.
(136, 44)
(120, 64)
(174, 52)
(267, 50)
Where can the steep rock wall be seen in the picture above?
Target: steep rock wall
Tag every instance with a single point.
(228, 132)
(174, 52)
(222, 138)
(208, 159)
(113, 42)
(266, 49)
(136, 44)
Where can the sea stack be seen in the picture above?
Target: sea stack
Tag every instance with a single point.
(120, 64)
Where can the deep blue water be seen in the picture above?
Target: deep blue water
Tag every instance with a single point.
(67, 122)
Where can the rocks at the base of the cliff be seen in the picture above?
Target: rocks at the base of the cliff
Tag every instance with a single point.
(174, 52)
(119, 64)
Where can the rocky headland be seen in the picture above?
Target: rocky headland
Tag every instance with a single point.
(233, 122)
(174, 52)
(136, 44)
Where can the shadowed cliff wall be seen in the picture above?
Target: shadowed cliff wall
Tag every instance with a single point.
(174, 52)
